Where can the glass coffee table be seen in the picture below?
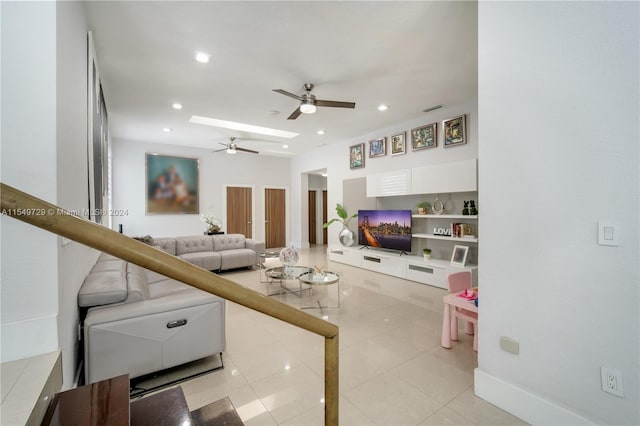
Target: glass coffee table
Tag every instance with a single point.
(313, 279)
(284, 274)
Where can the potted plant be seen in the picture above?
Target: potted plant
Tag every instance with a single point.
(346, 236)
(426, 253)
(422, 207)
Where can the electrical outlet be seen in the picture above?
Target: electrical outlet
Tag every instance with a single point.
(611, 381)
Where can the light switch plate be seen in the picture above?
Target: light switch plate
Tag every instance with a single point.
(609, 232)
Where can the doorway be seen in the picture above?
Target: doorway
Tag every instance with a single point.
(312, 217)
(275, 217)
(325, 216)
(240, 210)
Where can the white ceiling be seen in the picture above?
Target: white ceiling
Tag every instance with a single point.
(408, 55)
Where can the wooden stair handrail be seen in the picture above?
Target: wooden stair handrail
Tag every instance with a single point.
(37, 212)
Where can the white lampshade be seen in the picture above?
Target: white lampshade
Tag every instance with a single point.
(307, 108)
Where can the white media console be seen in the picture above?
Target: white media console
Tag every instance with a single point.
(410, 267)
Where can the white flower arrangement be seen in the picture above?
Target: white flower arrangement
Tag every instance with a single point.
(213, 223)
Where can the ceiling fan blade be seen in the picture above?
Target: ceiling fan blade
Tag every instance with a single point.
(336, 104)
(291, 95)
(247, 150)
(218, 150)
(294, 114)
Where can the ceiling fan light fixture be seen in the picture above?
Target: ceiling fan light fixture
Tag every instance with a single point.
(307, 108)
(231, 150)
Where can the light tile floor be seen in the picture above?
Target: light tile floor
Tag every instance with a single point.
(393, 370)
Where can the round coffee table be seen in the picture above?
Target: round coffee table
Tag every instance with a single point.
(314, 278)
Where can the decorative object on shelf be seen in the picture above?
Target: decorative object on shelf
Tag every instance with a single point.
(459, 256)
(378, 147)
(465, 210)
(398, 144)
(424, 137)
(289, 256)
(356, 156)
(455, 132)
(213, 224)
(442, 232)
(472, 208)
(437, 206)
(423, 207)
(347, 237)
(426, 253)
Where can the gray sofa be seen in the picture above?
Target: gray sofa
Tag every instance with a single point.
(214, 252)
(138, 322)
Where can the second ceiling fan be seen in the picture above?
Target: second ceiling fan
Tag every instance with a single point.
(232, 147)
(308, 102)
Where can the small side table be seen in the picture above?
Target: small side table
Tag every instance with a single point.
(263, 267)
(317, 279)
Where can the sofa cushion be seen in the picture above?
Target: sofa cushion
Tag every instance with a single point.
(237, 258)
(193, 244)
(208, 260)
(167, 245)
(137, 287)
(110, 265)
(228, 242)
(103, 288)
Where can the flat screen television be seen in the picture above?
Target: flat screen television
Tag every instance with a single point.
(385, 229)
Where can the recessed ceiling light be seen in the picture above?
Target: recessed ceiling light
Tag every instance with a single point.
(285, 146)
(382, 107)
(176, 105)
(321, 132)
(197, 119)
(323, 174)
(166, 130)
(202, 57)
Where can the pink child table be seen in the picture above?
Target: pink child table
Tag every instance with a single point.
(450, 323)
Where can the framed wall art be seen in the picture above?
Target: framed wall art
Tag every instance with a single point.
(356, 156)
(455, 132)
(459, 256)
(398, 144)
(378, 147)
(424, 137)
(172, 184)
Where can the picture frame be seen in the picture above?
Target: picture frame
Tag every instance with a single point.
(459, 256)
(356, 156)
(398, 144)
(171, 184)
(424, 137)
(378, 147)
(455, 131)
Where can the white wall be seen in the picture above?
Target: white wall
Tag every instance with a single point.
(74, 260)
(558, 101)
(338, 170)
(29, 270)
(217, 170)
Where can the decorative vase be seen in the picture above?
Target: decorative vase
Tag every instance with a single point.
(427, 256)
(472, 208)
(347, 237)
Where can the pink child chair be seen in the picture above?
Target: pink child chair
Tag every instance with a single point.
(458, 282)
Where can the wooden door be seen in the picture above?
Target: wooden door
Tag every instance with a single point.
(312, 217)
(274, 218)
(239, 211)
(325, 217)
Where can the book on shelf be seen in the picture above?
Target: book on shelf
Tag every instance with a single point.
(460, 230)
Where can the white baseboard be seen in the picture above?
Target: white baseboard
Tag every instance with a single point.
(529, 407)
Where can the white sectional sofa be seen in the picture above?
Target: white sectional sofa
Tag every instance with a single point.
(214, 252)
(138, 322)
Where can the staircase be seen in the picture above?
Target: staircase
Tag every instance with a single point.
(107, 403)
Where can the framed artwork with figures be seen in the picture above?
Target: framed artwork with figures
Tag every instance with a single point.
(398, 145)
(172, 184)
(356, 156)
(424, 137)
(455, 131)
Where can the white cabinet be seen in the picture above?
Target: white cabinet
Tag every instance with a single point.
(457, 176)
(414, 268)
(387, 184)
